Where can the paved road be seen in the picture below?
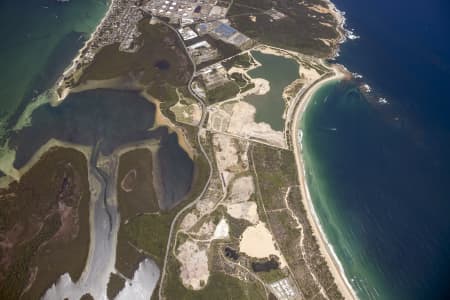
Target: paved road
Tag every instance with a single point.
(202, 121)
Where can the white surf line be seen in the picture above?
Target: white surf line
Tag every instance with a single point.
(327, 250)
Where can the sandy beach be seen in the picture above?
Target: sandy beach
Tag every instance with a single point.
(301, 103)
(66, 91)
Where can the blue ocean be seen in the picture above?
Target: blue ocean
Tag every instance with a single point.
(379, 163)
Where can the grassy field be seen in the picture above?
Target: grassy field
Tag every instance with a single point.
(159, 47)
(224, 92)
(136, 174)
(243, 60)
(219, 286)
(283, 173)
(239, 79)
(300, 30)
(150, 233)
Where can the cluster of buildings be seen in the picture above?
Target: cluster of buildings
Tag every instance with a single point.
(283, 290)
(202, 52)
(185, 12)
(214, 76)
(275, 14)
(222, 30)
(196, 18)
(120, 25)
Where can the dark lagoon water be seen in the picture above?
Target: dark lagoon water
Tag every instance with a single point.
(111, 118)
(39, 40)
(379, 173)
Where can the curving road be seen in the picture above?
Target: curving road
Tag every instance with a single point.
(200, 125)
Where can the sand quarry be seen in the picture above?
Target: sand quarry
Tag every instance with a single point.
(257, 241)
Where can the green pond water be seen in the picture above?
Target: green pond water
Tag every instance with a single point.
(280, 72)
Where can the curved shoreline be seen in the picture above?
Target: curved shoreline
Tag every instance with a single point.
(75, 61)
(335, 266)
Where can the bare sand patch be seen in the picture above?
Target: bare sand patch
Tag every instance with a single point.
(128, 181)
(231, 156)
(162, 120)
(222, 230)
(188, 114)
(320, 9)
(206, 231)
(244, 210)
(257, 241)
(242, 189)
(189, 220)
(194, 272)
(242, 123)
(309, 75)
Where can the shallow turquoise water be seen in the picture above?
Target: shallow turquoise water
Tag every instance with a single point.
(380, 193)
(321, 152)
(39, 39)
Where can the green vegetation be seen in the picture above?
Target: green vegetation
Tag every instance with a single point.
(219, 286)
(301, 29)
(248, 87)
(135, 174)
(239, 79)
(237, 226)
(243, 60)
(272, 275)
(224, 92)
(87, 297)
(150, 233)
(60, 176)
(276, 171)
(160, 59)
(115, 285)
(135, 191)
(302, 255)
